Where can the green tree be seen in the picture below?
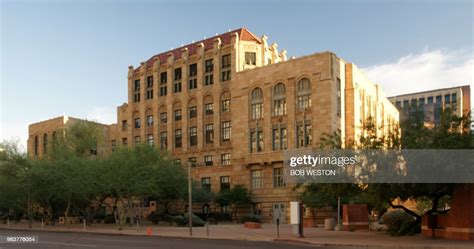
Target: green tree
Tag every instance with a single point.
(235, 197)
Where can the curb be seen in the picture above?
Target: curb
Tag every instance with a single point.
(304, 242)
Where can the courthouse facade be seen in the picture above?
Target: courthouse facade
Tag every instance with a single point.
(231, 104)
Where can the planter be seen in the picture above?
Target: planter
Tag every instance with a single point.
(252, 225)
(329, 224)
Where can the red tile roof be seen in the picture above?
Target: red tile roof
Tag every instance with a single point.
(244, 35)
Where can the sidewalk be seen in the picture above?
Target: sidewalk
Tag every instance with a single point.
(313, 236)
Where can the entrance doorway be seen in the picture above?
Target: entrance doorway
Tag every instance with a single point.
(279, 212)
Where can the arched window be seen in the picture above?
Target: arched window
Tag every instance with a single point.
(208, 105)
(304, 94)
(45, 143)
(279, 99)
(256, 103)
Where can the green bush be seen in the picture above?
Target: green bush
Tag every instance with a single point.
(197, 222)
(153, 217)
(400, 223)
(179, 220)
(109, 219)
(251, 218)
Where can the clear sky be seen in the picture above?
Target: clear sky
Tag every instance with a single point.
(71, 57)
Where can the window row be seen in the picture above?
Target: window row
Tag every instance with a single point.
(226, 131)
(279, 107)
(279, 135)
(177, 115)
(225, 75)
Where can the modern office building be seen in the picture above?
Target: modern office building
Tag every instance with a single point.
(433, 102)
(231, 104)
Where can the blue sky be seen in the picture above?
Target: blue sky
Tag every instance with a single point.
(71, 57)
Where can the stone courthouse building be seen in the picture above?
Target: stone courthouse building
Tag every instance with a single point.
(231, 104)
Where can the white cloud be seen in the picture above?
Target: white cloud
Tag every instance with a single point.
(104, 115)
(424, 71)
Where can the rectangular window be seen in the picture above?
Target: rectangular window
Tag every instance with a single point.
(278, 180)
(226, 105)
(137, 140)
(250, 58)
(192, 162)
(193, 136)
(192, 76)
(178, 138)
(149, 87)
(136, 89)
(177, 80)
(209, 133)
(137, 123)
(208, 72)
(225, 159)
(113, 144)
(163, 118)
(421, 101)
(398, 104)
(257, 179)
(149, 120)
(279, 139)
(225, 183)
(177, 115)
(208, 160)
(430, 100)
(226, 131)
(136, 86)
(256, 141)
(163, 140)
(192, 112)
(149, 140)
(177, 87)
(206, 184)
(124, 125)
(209, 109)
(124, 141)
(163, 80)
(177, 74)
(304, 136)
(257, 111)
(225, 68)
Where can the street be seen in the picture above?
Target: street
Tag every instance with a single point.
(50, 240)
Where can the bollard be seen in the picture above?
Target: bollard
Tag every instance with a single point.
(8, 222)
(138, 226)
(84, 222)
(149, 231)
(278, 228)
(207, 228)
(42, 224)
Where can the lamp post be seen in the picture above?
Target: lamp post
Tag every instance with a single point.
(190, 201)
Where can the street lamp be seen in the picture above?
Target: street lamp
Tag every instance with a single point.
(190, 201)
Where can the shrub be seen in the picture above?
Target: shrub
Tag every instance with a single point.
(179, 220)
(109, 219)
(222, 216)
(197, 222)
(251, 218)
(153, 217)
(400, 223)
